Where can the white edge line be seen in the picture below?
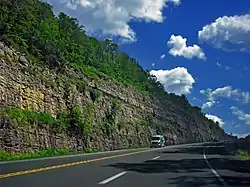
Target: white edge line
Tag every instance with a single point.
(213, 170)
(112, 178)
(155, 158)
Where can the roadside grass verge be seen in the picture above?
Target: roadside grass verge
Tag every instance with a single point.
(10, 156)
(243, 154)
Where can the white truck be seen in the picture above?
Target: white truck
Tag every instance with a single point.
(157, 141)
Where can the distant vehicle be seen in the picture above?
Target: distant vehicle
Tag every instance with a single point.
(214, 140)
(157, 141)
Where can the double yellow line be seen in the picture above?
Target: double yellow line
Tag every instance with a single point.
(7, 175)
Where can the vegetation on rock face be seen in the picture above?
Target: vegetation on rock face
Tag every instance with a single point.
(76, 116)
(142, 122)
(111, 113)
(26, 116)
(88, 114)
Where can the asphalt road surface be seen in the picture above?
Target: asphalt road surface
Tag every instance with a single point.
(182, 165)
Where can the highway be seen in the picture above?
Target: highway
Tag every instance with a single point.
(192, 165)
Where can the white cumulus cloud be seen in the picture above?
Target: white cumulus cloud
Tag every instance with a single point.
(241, 115)
(222, 66)
(178, 47)
(215, 119)
(208, 104)
(218, 64)
(176, 80)
(112, 17)
(241, 135)
(229, 33)
(224, 92)
(162, 56)
(176, 2)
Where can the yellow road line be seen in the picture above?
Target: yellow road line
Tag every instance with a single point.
(7, 175)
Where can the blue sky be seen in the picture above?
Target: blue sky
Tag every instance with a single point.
(220, 60)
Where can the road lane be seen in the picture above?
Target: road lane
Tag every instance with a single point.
(175, 167)
(15, 166)
(182, 165)
(23, 165)
(89, 174)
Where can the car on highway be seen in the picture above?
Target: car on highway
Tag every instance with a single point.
(157, 141)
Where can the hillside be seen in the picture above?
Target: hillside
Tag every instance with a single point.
(62, 89)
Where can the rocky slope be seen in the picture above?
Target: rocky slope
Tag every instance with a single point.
(116, 116)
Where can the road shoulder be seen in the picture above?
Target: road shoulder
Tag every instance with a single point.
(234, 171)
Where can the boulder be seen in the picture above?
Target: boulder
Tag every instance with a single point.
(23, 60)
(2, 52)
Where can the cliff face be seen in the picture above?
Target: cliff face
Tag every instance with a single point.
(117, 116)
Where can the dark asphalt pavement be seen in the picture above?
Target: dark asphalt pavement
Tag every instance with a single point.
(180, 166)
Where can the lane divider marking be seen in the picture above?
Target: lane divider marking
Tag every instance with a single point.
(113, 178)
(213, 170)
(155, 158)
(7, 175)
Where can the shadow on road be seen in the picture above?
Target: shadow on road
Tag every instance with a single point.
(183, 165)
(213, 149)
(188, 170)
(163, 166)
(195, 181)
